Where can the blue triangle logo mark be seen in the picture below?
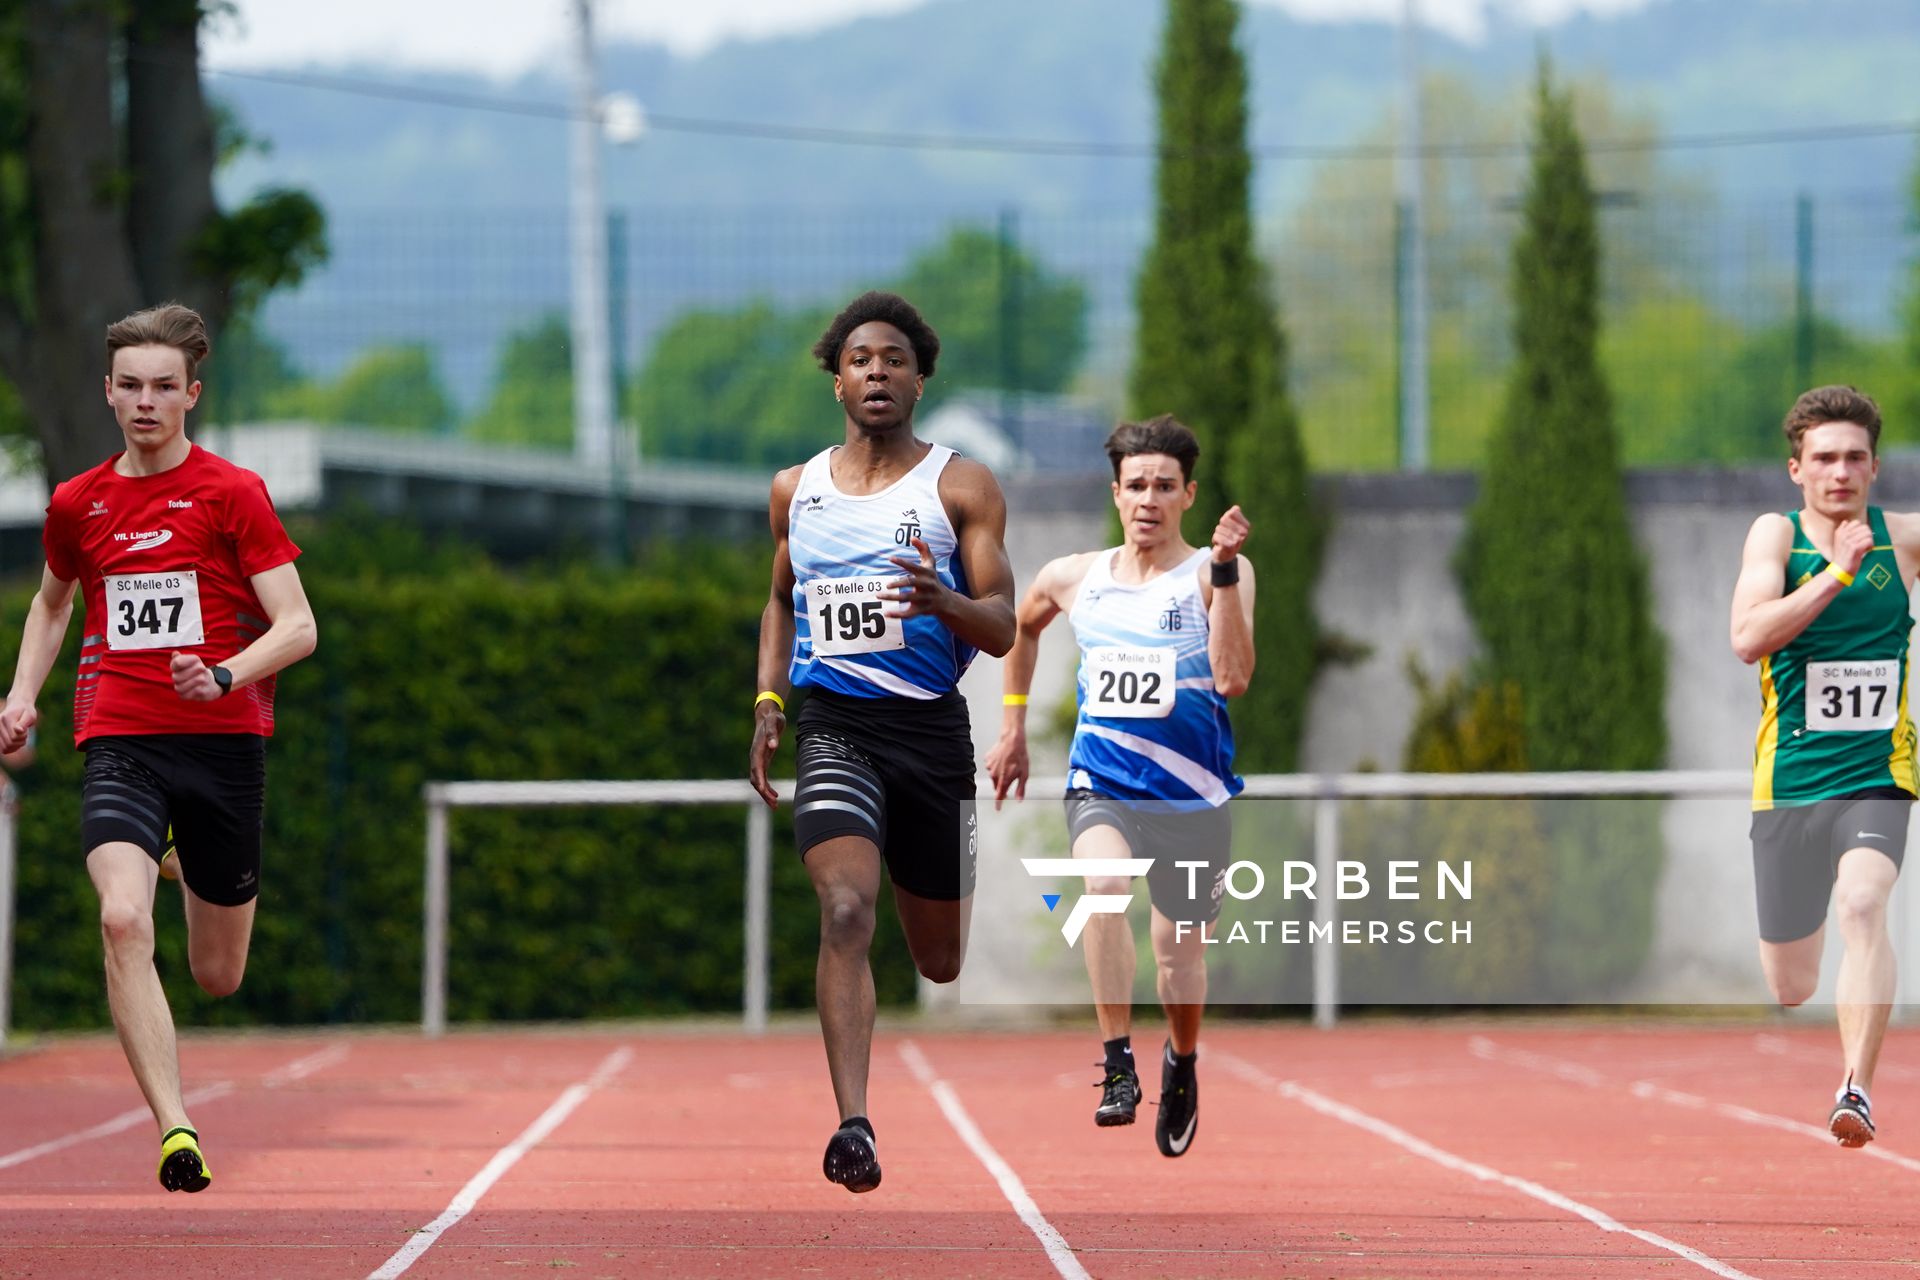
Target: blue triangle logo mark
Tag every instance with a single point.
(1051, 899)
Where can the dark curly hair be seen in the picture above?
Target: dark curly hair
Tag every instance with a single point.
(888, 308)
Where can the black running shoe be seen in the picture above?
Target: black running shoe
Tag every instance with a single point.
(1179, 1117)
(1119, 1095)
(1851, 1122)
(182, 1167)
(852, 1160)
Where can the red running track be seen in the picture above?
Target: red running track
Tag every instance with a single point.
(1440, 1149)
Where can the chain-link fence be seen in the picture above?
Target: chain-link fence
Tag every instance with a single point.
(1716, 313)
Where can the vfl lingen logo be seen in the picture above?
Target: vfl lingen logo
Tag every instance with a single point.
(1089, 904)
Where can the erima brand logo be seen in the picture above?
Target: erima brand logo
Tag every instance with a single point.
(99, 509)
(145, 541)
(175, 504)
(1089, 904)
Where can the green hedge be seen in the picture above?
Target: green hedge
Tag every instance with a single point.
(435, 665)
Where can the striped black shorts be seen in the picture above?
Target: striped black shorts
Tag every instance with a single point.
(898, 772)
(210, 788)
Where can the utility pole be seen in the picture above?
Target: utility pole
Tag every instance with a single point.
(1410, 251)
(587, 250)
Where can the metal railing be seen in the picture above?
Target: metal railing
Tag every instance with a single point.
(1327, 791)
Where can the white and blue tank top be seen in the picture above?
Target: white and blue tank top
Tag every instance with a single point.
(1152, 728)
(841, 546)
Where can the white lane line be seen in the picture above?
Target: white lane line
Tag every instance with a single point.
(298, 1069)
(503, 1160)
(1482, 1047)
(301, 1068)
(1447, 1160)
(1059, 1252)
(125, 1120)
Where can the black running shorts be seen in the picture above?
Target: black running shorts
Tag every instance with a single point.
(211, 788)
(1169, 837)
(1796, 854)
(898, 772)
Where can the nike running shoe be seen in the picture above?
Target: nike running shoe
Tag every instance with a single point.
(1851, 1122)
(852, 1159)
(1119, 1095)
(182, 1167)
(1179, 1117)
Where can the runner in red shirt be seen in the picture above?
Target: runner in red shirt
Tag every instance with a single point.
(192, 604)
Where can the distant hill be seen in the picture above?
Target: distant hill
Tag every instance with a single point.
(1079, 70)
(448, 220)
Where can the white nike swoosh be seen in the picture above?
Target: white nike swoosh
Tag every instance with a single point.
(148, 544)
(1868, 835)
(1179, 1144)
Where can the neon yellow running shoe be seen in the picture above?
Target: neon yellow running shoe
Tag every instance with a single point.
(182, 1167)
(170, 860)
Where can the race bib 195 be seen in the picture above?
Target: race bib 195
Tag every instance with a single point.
(846, 615)
(1131, 683)
(153, 610)
(1853, 697)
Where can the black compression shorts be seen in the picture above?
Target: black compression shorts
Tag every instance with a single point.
(898, 772)
(211, 788)
(1169, 837)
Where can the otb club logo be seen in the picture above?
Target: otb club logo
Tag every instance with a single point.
(909, 528)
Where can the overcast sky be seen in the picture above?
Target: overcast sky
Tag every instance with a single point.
(503, 38)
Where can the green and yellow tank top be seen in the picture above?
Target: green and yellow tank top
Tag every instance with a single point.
(1833, 702)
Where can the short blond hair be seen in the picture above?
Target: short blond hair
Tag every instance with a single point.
(168, 325)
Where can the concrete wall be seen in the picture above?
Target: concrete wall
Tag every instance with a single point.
(1388, 580)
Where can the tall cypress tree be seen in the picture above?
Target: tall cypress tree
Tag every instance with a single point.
(1553, 578)
(1210, 351)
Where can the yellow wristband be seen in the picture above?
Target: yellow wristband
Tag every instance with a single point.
(768, 695)
(1846, 579)
(1013, 700)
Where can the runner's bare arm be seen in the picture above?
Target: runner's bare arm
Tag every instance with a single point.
(1765, 617)
(1229, 609)
(1007, 763)
(46, 627)
(983, 619)
(776, 641)
(291, 635)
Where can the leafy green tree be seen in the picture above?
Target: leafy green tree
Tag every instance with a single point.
(1004, 320)
(396, 387)
(107, 153)
(1335, 262)
(740, 385)
(736, 386)
(1210, 351)
(1908, 406)
(532, 400)
(250, 377)
(1553, 579)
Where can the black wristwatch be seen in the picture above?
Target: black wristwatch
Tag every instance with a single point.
(223, 678)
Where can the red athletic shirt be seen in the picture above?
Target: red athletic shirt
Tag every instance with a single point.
(163, 563)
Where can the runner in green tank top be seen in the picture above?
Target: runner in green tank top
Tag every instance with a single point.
(1822, 606)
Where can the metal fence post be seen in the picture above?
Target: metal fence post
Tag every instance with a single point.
(759, 868)
(1326, 911)
(433, 969)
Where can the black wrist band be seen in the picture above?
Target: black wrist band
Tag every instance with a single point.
(1228, 574)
